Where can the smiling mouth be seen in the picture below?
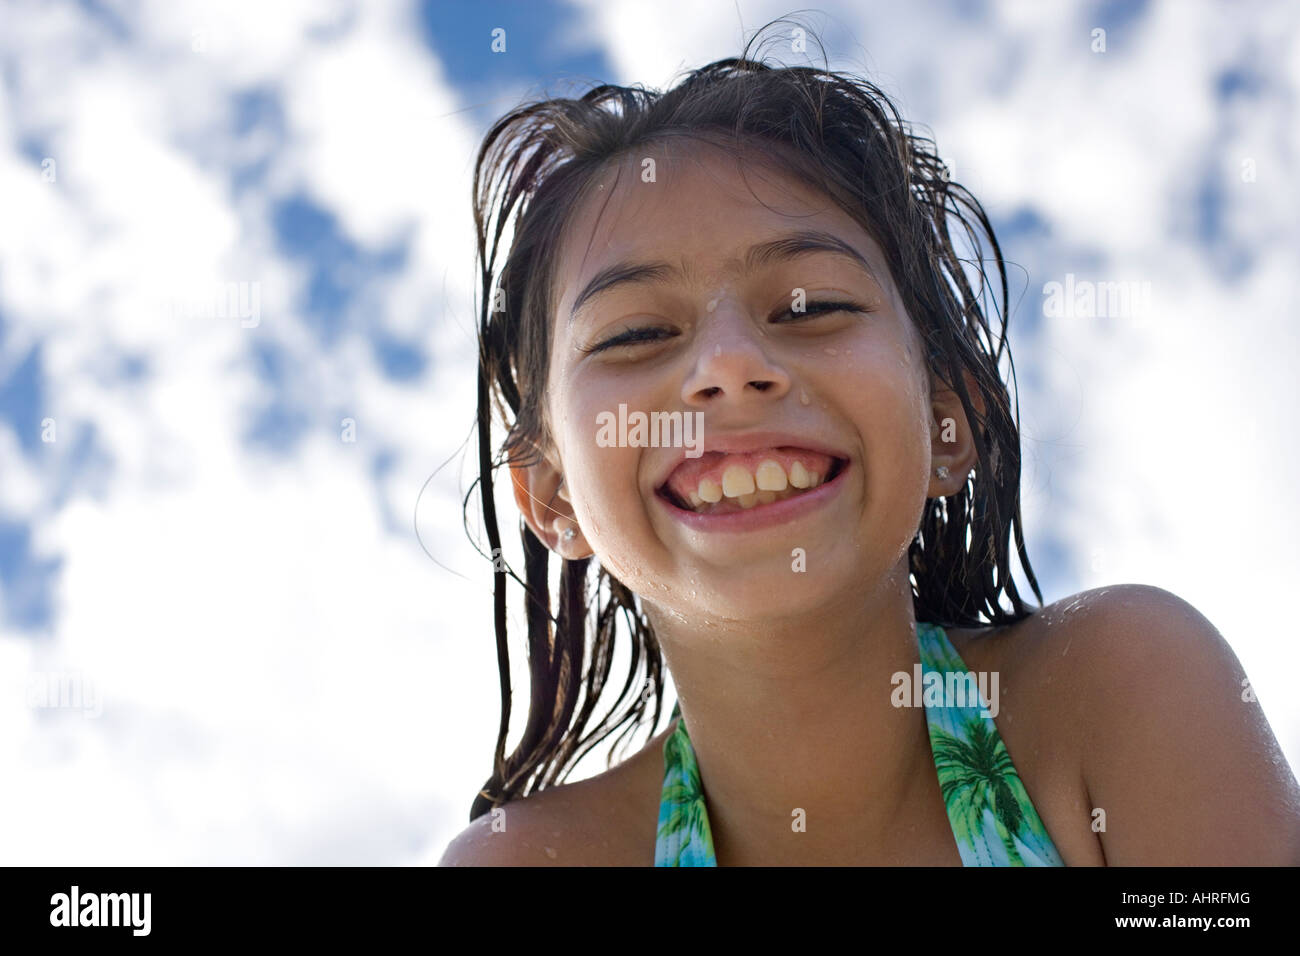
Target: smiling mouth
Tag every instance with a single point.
(743, 486)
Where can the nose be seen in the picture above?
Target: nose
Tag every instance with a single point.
(732, 361)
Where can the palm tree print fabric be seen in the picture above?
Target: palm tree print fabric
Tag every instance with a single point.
(684, 835)
(992, 818)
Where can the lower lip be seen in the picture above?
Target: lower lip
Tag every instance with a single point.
(760, 516)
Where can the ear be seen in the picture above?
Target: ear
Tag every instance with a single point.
(952, 443)
(544, 502)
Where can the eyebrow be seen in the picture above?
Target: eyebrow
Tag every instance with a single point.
(781, 249)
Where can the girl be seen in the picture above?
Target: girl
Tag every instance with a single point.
(813, 529)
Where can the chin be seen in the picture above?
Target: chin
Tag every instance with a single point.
(761, 596)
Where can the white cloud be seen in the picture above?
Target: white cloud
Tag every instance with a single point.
(277, 670)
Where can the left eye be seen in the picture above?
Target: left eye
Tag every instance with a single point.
(821, 308)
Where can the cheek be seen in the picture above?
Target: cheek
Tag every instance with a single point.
(612, 516)
(603, 481)
(883, 387)
(890, 409)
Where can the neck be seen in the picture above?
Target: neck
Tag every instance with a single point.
(796, 714)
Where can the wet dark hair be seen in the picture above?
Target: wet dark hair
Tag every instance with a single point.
(841, 135)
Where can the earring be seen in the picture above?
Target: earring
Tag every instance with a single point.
(569, 534)
(942, 472)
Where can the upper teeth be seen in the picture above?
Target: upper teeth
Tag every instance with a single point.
(763, 486)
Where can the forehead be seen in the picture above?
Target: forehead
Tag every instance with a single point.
(697, 204)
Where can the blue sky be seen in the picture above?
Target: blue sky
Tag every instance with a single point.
(182, 521)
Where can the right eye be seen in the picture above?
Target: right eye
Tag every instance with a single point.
(632, 337)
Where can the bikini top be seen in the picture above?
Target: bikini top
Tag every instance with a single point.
(992, 818)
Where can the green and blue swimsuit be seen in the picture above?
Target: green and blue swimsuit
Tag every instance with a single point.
(992, 818)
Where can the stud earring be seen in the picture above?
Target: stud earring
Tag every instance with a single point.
(569, 534)
(942, 472)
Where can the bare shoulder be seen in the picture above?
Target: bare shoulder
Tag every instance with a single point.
(1178, 760)
(1095, 636)
(1041, 703)
(1107, 645)
(609, 819)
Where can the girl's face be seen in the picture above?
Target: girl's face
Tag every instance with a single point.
(718, 313)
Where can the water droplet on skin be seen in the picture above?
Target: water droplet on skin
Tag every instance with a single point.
(830, 351)
(803, 398)
(713, 304)
(551, 853)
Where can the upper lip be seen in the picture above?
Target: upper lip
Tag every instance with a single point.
(746, 442)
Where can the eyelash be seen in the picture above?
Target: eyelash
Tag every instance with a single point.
(651, 334)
